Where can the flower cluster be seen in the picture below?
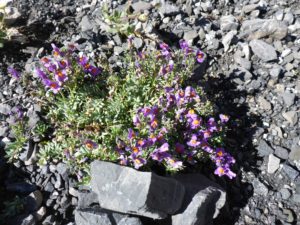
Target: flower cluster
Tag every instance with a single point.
(151, 138)
(144, 114)
(57, 70)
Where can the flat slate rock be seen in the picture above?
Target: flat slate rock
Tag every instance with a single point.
(202, 201)
(126, 190)
(98, 216)
(263, 50)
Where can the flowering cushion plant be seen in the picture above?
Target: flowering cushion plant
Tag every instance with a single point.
(147, 113)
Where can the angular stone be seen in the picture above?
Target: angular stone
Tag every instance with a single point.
(263, 50)
(281, 152)
(227, 39)
(295, 153)
(291, 117)
(290, 171)
(288, 98)
(34, 201)
(29, 220)
(126, 190)
(259, 187)
(97, 216)
(202, 201)
(264, 149)
(190, 35)
(141, 6)
(11, 16)
(273, 163)
(87, 199)
(228, 23)
(266, 105)
(86, 24)
(260, 28)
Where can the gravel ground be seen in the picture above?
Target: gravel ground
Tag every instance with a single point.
(251, 73)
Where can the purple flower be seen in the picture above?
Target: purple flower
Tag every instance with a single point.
(212, 125)
(195, 122)
(191, 114)
(56, 51)
(94, 71)
(54, 86)
(164, 46)
(190, 92)
(61, 76)
(52, 67)
(224, 118)
(41, 74)
(141, 55)
(193, 142)
(200, 56)
(90, 144)
(167, 68)
(131, 134)
(179, 148)
(142, 143)
(220, 152)
(63, 64)
(174, 164)
(220, 171)
(123, 160)
(13, 72)
(137, 161)
(46, 62)
(136, 120)
(83, 60)
(183, 44)
(71, 48)
(154, 124)
(161, 153)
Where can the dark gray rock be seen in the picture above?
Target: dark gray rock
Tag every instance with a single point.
(285, 193)
(291, 117)
(273, 163)
(117, 188)
(263, 50)
(5, 109)
(49, 187)
(259, 187)
(288, 98)
(130, 221)
(202, 201)
(87, 199)
(260, 28)
(97, 216)
(11, 16)
(264, 149)
(295, 153)
(86, 24)
(228, 23)
(33, 201)
(29, 220)
(281, 152)
(290, 171)
(141, 6)
(49, 220)
(168, 9)
(27, 151)
(63, 170)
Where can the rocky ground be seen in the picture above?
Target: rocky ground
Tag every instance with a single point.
(252, 74)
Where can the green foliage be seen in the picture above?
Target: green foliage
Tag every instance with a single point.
(119, 22)
(13, 149)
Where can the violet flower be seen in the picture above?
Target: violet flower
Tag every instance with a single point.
(14, 73)
(161, 153)
(90, 144)
(224, 118)
(193, 142)
(200, 56)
